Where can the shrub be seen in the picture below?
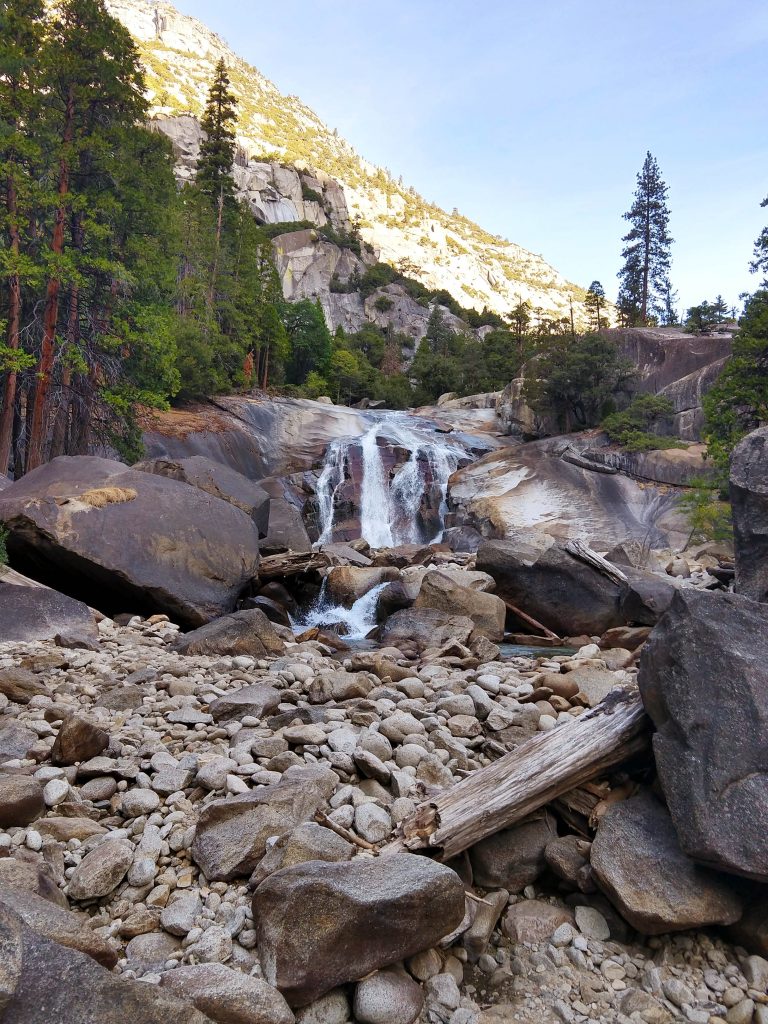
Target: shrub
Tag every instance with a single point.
(708, 515)
(309, 195)
(632, 427)
(3, 552)
(383, 304)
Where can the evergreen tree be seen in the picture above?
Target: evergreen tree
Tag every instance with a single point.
(760, 253)
(217, 149)
(21, 36)
(646, 254)
(594, 304)
(669, 314)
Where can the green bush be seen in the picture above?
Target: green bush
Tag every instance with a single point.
(3, 552)
(708, 515)
(309, 195)
(640, 441)
(383, 304)
(631, 428)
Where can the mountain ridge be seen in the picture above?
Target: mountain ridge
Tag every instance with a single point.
(443, 251)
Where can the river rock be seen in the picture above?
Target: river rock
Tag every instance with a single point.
(427, 627)
(231, 834)
(247, 632)
(21, 800)
(127, 538)
(43, 982)
(389, 996)
(228, 996)
(637, 862)
(257, 700)
(32, 876)
(78, 740)
(646, 597)
(101, 870)
(541, 578)
(307, 841)
(442, 593)
(514, 857)
(217, 479)
(38, 613)
(16, 740)
(594, 683)
(320, 925)
(749, 504)
(58, 924)
(704, 682)
(534, 921)
(19, 684)
(347, 583)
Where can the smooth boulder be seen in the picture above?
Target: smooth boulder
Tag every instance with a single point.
(228, 996)
(247, 632)
(217, 479)
(704, 683)
(21, 800)
(443, 593)
(256, 700)
(513, 857)
(39, 613)
(59, 924)
(637, 862)
(749, 506)
(541, 578)
(426, 627)
(124, 539)
(320, 925)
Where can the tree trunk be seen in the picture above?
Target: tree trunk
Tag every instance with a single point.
(36, 439)
(646, 261)
(215, 266)
(14, 326)
(538, 771)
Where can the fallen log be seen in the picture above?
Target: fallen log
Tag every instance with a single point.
(529, 619)
(545, 767)
(585, 554)
(275, 567)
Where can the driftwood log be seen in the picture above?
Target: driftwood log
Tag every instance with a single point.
(535, 773)
(275, 567)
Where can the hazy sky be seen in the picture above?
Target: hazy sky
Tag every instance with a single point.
(533, 118)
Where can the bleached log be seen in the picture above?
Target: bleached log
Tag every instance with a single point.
(585, 554)
(536, 772)
(275, 567)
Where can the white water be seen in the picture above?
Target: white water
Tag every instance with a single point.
(359, 620)
(389, 508)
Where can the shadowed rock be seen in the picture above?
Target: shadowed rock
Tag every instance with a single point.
(749, 502)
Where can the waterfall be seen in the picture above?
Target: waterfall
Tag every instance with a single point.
(359, 620)
(389, 509)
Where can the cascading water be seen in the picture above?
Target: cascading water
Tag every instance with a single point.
(357, 621)
(389, 508)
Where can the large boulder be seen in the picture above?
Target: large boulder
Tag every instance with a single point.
(247, 632)
(542, 579)
(347, 583)
(637, 862)
(217, 479)
(320, 925)
(426, 627)
(704, 682)
(513, 857)
(124, 539)
(21, 800)
(257, 700)
(231, 834)
(749, 502)
(59, 924)
(443, 593)
(228, 996)
(43, 982)
(32, 612)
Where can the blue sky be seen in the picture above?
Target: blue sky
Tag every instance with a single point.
(534, 118)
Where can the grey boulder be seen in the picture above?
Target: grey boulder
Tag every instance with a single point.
(247, 632)
(228, 996)
(39, 613)
(320, 925)
(749, 505)
(514, 857)
(443, 593)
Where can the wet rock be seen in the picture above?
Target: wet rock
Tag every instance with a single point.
(58, 924)
(749, 503)
(320, 925)
(21, 800)
(131, 538)
(442, 593)
(78, 740)
(44, 982)
(228, 996)
(101, 870)
(637, 861)
(389, 996)
(514, 857)
(257, 700)
(704, 682)
(307, 841)
(247, 632)
(347, 583)
(231, 835)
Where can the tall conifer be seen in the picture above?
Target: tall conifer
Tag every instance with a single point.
(646, 254)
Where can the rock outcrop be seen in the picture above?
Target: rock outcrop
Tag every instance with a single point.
(130, 539)
(749, 502)
(704, 682)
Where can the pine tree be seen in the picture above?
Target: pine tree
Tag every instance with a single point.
(594, 303)
(21, 36)
(669, 299)
(760, 252)
(217, 149)
(646, 254)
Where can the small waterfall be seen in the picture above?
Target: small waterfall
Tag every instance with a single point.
(390, 509)
(359, 620)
